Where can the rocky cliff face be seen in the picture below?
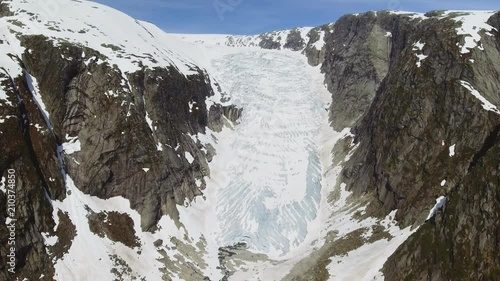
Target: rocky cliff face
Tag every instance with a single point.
(125, 123)
(32, 158)
(423, 105)
(461, 242)
(357, 57)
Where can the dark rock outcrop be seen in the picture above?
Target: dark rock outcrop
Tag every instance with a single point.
(315, 50)
(294, 41)
(4, 10)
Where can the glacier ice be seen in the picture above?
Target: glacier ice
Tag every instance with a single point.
(271, 160)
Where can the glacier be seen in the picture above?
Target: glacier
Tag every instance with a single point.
(271, 158)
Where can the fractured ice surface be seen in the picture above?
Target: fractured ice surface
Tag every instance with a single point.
(274, 173)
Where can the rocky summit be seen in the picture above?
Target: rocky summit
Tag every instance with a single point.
(365, 149)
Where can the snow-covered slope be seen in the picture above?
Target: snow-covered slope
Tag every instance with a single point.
(126, 42)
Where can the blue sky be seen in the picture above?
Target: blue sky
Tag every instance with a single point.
(257, 16)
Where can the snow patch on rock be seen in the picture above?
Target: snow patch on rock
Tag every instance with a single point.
(439, 204)
(452, 150)
(484, 102)
(471, 24)
(72, 145)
